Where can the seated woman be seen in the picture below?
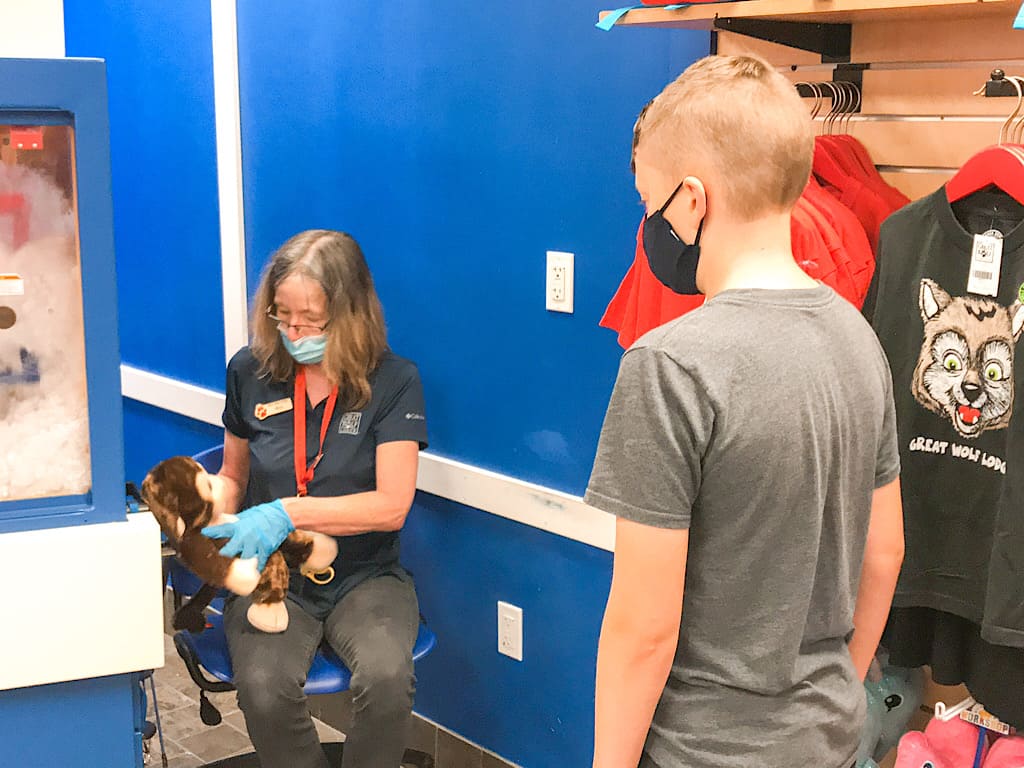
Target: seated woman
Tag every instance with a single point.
(323, 429)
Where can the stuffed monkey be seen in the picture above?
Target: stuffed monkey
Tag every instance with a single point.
(185, 499)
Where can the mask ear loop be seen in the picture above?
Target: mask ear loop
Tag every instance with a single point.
(671, 198)
(700, 230)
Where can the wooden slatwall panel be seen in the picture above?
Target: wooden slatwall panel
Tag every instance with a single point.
(955, 123)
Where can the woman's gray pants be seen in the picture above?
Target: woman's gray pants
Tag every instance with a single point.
(373, 629)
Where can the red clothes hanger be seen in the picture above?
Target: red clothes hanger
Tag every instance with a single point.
(998, 166)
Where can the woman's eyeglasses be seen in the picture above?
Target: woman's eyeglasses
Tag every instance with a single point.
(284, 325)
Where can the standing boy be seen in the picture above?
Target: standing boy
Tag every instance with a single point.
(749, 453)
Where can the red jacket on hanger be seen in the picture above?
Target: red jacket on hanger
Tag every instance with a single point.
(867, 205)
(642, 302)
(842, 280)
(861, 259)
(889, 193)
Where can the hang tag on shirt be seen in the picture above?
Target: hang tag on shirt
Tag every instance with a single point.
(986, 262)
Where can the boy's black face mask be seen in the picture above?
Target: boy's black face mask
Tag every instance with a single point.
(672, 261)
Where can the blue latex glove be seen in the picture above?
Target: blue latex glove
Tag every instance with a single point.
(257, 532)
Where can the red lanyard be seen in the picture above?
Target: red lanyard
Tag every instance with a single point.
(304, 474)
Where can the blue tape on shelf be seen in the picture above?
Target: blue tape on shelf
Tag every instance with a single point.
(1019, 21)
(612, 18)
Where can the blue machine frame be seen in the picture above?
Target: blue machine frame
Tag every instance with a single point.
(74, 92)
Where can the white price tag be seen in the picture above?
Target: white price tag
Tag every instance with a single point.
(11, 285)
(986, 262)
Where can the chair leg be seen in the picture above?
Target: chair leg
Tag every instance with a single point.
(418, 759)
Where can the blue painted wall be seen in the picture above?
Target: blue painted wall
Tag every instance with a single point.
(164, 172)
(154, 434)
(538, 712)
(458, 141)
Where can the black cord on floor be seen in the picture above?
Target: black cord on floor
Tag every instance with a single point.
(159, 728)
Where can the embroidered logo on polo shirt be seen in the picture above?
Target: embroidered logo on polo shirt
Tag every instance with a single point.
(349, 422)
(415, 417)
(266, 410)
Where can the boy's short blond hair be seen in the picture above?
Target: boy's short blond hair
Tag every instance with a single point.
(738, 119)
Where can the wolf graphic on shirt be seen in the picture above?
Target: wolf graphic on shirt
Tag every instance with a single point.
(965, 371)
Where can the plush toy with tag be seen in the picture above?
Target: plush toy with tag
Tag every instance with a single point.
(893, 695)
(952, 743)
(185, 499)
(1006, 752)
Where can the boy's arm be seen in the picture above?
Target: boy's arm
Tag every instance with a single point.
(883, 557)
(648, 474)
(638, 638)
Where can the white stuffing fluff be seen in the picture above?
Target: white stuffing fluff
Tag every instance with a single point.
(44, 426)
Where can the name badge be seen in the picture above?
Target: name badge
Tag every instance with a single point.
(266, 410)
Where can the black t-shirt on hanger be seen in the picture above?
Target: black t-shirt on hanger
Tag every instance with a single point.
(958, 404)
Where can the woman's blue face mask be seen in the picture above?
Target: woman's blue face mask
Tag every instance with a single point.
(306, 350)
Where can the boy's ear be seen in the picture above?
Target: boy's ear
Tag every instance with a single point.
(694, 187)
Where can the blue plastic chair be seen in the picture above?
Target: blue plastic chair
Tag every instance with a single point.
(208, 650)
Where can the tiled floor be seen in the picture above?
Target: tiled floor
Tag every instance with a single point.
(188, 741)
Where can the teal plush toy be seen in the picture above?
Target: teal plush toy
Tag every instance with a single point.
(893, 695)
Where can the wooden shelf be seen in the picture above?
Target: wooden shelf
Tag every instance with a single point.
(702, 16)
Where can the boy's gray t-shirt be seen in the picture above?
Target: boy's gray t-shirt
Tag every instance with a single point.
(762, 422)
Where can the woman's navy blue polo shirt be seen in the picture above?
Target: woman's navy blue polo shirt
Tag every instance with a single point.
(395, 412)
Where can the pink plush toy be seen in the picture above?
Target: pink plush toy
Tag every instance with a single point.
(1007, 752)
(950, 744)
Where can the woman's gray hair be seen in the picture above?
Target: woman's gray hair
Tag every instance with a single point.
(356, 335)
